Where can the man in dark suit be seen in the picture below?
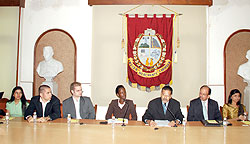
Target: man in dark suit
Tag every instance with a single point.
(46, 105)
(163, 108)
(204, 108)
(2, 113)
(78, 106)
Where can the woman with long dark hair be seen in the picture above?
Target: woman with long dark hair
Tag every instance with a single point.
(17, 104)
(234, 109)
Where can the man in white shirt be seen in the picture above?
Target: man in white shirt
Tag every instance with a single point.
(46, 106)
(78, 106)
(204, 108)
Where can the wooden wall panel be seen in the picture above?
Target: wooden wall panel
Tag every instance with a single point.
(150, 2)
(20, 3)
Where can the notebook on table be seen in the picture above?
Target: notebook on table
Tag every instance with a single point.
(211, 123)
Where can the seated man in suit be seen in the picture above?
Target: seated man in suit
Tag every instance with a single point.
(203, 108)
(78, 106)
(163, 108)
(2, 113)
(46, 105)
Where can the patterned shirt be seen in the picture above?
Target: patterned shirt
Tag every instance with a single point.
(231, 112)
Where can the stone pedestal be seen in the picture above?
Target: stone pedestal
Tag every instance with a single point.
(53, 85)
(247, 98)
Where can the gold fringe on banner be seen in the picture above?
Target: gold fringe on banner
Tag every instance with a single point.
(147, 89)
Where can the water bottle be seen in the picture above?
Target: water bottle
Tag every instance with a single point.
(34, 117)
(245, 116)
(224, 122)
(184, 122)
(113, 122)
(69, 119)
(7, 118)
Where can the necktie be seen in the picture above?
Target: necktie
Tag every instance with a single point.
(205, 110)
(164, 108)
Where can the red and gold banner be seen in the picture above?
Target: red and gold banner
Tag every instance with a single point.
(149, 51)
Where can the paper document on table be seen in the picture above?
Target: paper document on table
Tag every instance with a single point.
(162, 123)
(246, 122)
(118, 121)
(74, 120)
(212, 121)
(11, 118)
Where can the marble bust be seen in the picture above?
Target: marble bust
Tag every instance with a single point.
(244, 72)
(49, 67)
(244, 69)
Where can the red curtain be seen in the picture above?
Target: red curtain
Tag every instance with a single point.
(163, 27)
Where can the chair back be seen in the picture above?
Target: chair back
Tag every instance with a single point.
(221, 112)
(3, 102)
(187, 108)
(61, 109)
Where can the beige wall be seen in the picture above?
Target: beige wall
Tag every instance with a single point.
(108, 70)
(8, 48)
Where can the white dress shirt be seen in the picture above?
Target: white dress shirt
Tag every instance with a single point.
(44, 105)
(77, 107)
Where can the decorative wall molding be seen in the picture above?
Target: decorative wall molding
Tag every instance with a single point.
(20, 3)
(150, 2)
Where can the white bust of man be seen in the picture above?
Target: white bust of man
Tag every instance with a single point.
(49, 67)
(244, 69)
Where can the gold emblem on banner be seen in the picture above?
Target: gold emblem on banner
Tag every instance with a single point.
(149, 54)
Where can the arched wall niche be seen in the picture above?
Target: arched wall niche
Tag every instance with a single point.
(64, 48)
(235, 50)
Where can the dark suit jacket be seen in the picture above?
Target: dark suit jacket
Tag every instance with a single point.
(2, 112)
(87, 110)
(195, 112)
(118, 112)
(52, 109)
(155, 110)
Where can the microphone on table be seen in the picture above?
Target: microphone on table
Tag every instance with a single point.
(123, 124)
(172, 116)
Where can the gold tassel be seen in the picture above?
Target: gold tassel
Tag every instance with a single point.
(123, 43)
(123, 31)
(178, 37)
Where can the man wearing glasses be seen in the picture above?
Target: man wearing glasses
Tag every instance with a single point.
(78, 106)
(163, 108)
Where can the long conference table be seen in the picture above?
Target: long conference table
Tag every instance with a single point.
(58, 131)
